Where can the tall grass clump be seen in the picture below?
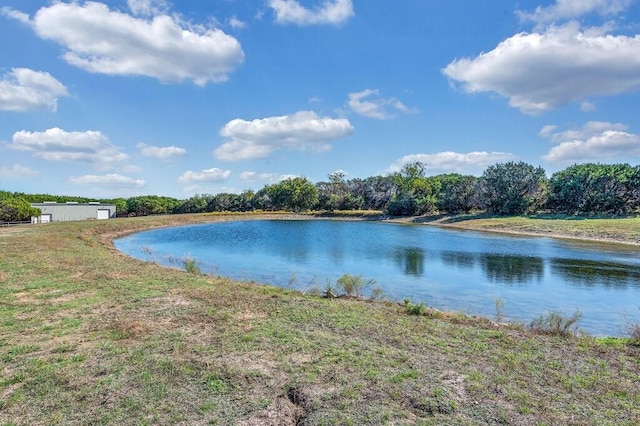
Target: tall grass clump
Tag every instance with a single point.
(354, 285)
(557, 324)
(191, 266)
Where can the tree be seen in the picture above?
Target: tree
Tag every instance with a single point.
(16, 209)
(225, 202)
(513, 188)
(416, 194)
(458, 193)
(293, 194)
(596, 188)
(151, 204)
(195, 204)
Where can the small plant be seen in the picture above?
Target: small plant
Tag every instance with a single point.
(377, 294)
(415, 309)
(191, 266)
(329, 292)
(632, 329)
(556, 324)
(499, 304)
(292, 279)
(354, 285)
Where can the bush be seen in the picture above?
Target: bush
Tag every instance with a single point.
(556, 324)
(354, 285)
(191, 266)
(415, 309)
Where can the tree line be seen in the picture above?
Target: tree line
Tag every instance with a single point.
(512, 188)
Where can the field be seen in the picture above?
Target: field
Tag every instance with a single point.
(90, 336)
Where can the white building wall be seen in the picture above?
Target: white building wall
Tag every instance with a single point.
(61, 212)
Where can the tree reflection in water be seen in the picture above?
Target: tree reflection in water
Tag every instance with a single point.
(410, 260)
(508, 269)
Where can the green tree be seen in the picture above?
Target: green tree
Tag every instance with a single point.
(416, 194)
(513, 188)
(145, 205)
(458, 193)
(196, 204)
(295, 194)
(16, 209)
(225, 202)
(596, 188)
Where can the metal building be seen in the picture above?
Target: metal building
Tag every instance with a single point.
(59, 212)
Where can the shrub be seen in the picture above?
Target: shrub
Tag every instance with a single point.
(556, 324)
(414, 309)
(354, 285)
(632, 329)
(191, 266)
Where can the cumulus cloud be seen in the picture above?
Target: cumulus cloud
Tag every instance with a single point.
(210, 175)
(572, 9)
(23, 89)
(108, 180)
(147, 7)
(17, 171)
(55, 144)
(453, 162)
(331, 12)
(250, 176)
(304, 130)
(161, 153)
(100, 40)
(541, 71)
(369, 104)
(596, 140)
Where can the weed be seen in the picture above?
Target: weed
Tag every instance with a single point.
(557, 324)
(499, 304)
(377, 294)
(191, 266)
(415, 309)
(632, 328)
(354, 285)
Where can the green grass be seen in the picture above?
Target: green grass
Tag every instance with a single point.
(90, 336)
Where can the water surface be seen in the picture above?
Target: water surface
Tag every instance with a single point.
(447, 269)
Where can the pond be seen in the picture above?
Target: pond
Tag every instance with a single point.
(452, 270)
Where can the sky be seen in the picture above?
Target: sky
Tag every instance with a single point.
(118, 98)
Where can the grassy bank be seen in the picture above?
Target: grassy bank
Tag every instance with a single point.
(616, 230)
(90, 336)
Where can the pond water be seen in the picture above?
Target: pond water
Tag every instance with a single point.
(448, 269)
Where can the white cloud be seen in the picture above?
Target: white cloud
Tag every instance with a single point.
(161, 153)
(541, 71)
(148, 7)
(100, 40)
(55, 144)
(304, 130)
(236, 23)
(210, 175)
(23, 89)
(589, 130)
(332, 12)
(369, 104)
(17, 171)
(250, 176)
(572, 9)
(596, 140)
(15, 14)
(108, 180)
(453, 162)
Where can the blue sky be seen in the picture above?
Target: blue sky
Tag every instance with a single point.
(176, 98)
